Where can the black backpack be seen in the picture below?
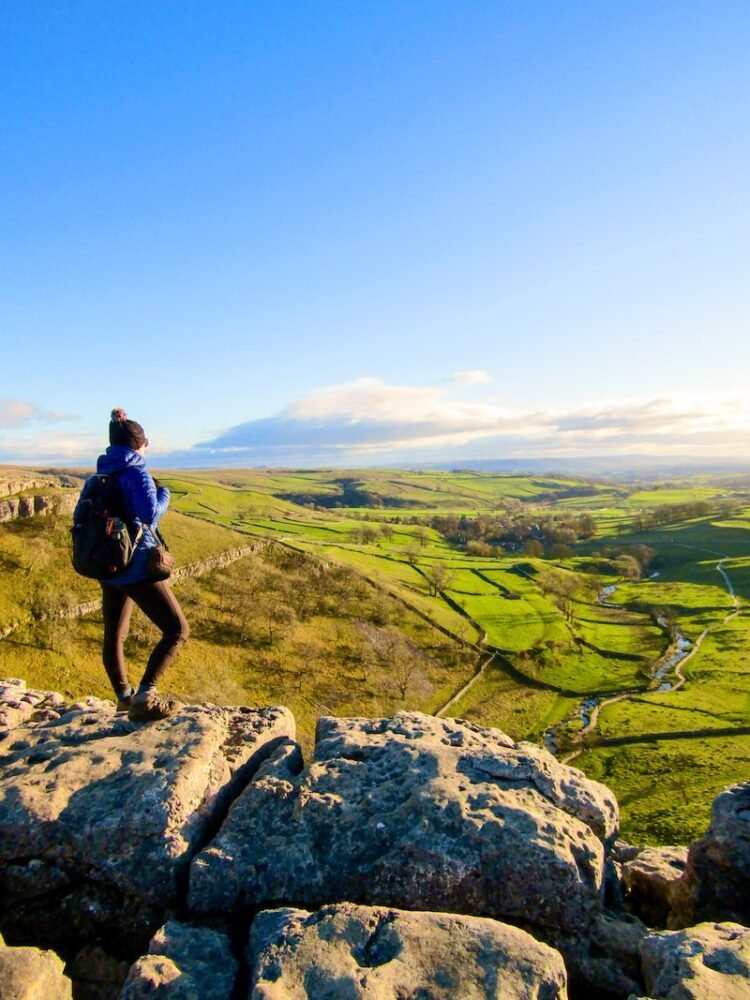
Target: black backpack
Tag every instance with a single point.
(102, 543)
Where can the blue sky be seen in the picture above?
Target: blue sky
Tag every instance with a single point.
(351, 232)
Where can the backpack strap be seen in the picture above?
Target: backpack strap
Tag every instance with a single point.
(158, 536)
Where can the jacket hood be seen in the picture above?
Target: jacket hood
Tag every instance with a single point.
(118, 457)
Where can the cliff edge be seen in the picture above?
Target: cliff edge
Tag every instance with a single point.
(412, 857)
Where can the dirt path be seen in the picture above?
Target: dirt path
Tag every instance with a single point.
(706, 631)
(480, 672)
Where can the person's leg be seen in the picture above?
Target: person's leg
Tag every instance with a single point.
(158, 602)
(116, 610)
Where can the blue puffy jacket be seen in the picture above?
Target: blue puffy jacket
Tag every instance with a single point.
(143, 504)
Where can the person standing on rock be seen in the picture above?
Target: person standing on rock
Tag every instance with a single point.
(143, 504)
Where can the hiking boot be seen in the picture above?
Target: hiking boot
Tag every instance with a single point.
(124, 702)
(150, 706)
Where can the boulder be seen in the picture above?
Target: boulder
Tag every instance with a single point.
(650, 878)
(717, 880)
(184, 963)
(707, 962)
(378, 953)
(31, 974)
(8, 510)
(19, 705)
(106, 815)
(419, 813)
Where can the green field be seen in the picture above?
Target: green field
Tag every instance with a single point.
(558, 636)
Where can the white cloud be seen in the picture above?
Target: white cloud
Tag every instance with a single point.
(17, 412)
(369, 418)
(475, 377)
(369, 421)
(37, 449)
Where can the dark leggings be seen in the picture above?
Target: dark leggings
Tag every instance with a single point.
(157, 602)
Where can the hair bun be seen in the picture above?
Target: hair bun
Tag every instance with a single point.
(119, 415)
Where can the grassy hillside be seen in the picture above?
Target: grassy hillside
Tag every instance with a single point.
(273, 627)
(577, 594)
(37, 577)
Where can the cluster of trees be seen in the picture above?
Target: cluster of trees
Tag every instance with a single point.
(564, 588)
(350, 493)
(669, 513)
(368, 533)
(630, 561)
(531, 533)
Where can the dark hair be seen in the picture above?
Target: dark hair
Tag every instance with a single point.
(125, 432)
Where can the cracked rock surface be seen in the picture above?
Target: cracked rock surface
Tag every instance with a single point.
(99, 817)
(377, 953)
(419, 813)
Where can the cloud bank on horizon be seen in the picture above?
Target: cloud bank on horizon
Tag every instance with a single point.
(369, 422)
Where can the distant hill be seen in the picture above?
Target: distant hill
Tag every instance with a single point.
(622, 468)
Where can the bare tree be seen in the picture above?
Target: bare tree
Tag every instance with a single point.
(439, 577)
(411, 554)
(421, 536)
(561, 588)
(275, 615)
(386, 531)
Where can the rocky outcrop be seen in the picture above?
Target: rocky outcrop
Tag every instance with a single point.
(29, 506)
(17, 705)
(185, 963)
(413, 857)
(105, 816)
(717, 881)
(219, 561)
(376, 953)
(420, 813)
(651, 879)
(707, 962)
(32, 974)
(15, 481)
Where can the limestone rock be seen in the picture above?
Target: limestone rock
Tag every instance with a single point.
(19, 705)
(650, 879)
(31, 974)
(717, 882)
(377, 953)
(106, 815)
(8, 510)
(415, 812)
(707, 962)
(184, 963)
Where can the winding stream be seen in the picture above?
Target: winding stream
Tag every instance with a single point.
(680, 650)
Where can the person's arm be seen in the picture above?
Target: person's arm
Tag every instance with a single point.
(162, 501)
(146, 502)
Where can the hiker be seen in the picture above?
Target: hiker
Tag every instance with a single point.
(142, 504)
